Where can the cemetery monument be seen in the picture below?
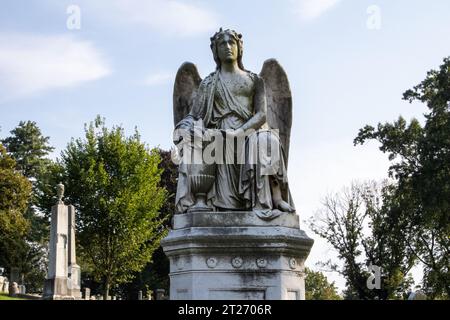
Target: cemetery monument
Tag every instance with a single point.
(236, 234)
(63, 278)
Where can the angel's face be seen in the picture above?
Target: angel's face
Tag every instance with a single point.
(227, 49)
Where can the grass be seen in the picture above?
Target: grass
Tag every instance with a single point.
(6, 297)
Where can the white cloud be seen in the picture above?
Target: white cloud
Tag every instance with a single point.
(312, 9)
(159, 78)
(166, 16)
(32, 63)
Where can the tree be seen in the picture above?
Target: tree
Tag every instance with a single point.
(355, 223)
(15, 191)
(155, 275)
(420, 156)
(30, 149)
(318, 288)
(113, 182)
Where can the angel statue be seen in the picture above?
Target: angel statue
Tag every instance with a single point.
(253, 114)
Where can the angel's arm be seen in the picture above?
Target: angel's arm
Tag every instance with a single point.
(260, 105)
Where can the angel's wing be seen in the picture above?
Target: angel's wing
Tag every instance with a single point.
(184, 90)
(279, 101)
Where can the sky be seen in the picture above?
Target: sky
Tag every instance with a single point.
(348, 63)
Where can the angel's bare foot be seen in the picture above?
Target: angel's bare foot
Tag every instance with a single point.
(277, 199)
(284, 206)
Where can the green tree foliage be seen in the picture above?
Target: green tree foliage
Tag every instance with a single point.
(30, 149)
(318, 288)
(15, 192)
(420, 156)
(114, 183)
(356, 223)
(155, 275)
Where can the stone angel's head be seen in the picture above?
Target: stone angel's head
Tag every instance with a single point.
(227, 46)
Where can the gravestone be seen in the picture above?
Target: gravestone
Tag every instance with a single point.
(22, 289)
(2, 281)
(417, 295)
(14, 289)
(87, 293)
(5, 288)
(140, 295)
(160, 294)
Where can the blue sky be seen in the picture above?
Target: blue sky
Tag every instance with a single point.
(122, 61)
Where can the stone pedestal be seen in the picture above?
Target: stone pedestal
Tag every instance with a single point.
(236, 255)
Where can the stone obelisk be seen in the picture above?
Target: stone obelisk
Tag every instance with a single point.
(63, 278)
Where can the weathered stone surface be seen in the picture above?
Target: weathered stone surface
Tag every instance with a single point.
(14, 289)
(248, 261)
(2, 281)
(56, 282)
(234, 101)
(63, 277)
(5, 286)
(74, 272)
(160, 294)
(232, 218)
(87, 293)
(235, 233)
(279, 101)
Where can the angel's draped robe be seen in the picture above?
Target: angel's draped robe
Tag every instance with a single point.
(240, 184)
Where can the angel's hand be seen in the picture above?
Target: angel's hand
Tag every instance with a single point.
(182, 135)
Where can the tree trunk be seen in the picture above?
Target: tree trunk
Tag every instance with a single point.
(107, 285)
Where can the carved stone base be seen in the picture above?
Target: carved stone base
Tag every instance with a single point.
(236, 255)
(55, 289)
(59, 289)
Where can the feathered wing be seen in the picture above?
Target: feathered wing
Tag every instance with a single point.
(279, 101)
(185, 88)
